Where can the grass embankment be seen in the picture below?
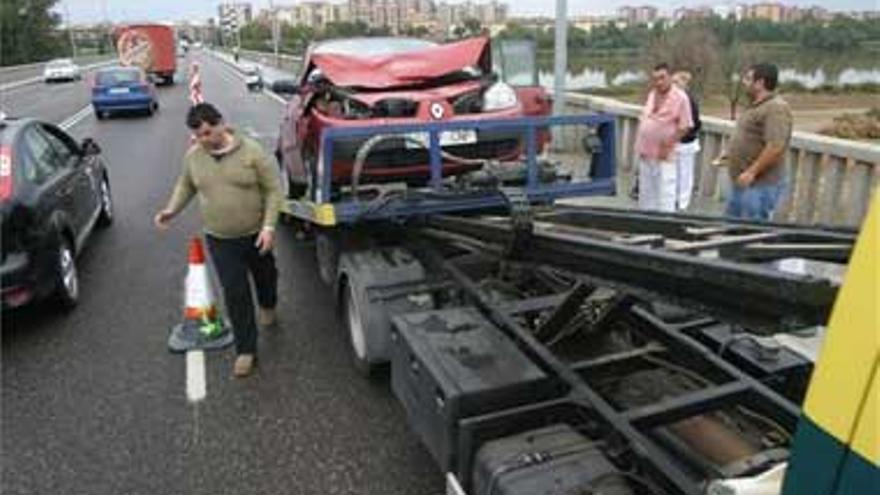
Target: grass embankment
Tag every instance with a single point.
(864, 126)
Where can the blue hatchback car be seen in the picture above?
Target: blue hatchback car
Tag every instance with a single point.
(123, 89)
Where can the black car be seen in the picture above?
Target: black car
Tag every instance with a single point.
(53, 193)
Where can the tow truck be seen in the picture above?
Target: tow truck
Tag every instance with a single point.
(544, 347)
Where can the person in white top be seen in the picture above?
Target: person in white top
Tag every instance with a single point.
(688, 147)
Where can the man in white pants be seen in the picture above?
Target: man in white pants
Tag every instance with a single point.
(689, 145)
(665, 119)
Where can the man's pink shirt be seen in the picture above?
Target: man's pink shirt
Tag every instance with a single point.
(658, 127)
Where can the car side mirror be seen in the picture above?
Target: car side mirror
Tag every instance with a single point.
(286, 87)
(90, 147)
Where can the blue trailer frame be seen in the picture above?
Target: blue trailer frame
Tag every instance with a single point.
(433, 199)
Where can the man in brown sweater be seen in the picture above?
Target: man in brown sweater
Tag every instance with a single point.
(240, 199)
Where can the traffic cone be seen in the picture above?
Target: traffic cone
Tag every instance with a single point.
(202, 327)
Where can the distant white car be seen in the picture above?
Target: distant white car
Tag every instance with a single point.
(253, 77)
(61, 69)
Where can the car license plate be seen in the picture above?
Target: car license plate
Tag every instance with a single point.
(447, 138)
(118, 91)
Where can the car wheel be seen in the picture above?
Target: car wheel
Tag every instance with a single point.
(106, 216)
(66, 276)
(99, 114)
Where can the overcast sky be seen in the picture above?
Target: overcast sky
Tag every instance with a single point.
(87, 11)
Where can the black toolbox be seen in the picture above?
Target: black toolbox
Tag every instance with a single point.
(450, 364)
(556, 460)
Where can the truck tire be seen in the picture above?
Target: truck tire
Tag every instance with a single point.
(367, 321)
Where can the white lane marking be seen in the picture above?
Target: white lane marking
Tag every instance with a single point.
(196, 388)
(76, 118)
(274, 96)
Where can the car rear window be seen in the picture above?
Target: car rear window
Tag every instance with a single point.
(110, 78)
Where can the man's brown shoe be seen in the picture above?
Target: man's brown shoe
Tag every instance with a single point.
(244, 365)
(266, 317)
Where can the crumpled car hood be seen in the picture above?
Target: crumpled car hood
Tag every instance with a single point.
(401, 69)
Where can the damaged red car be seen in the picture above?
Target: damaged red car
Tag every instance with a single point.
(375, 82)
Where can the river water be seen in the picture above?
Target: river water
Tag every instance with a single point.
(809, 70)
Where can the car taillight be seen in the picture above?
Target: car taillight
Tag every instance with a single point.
(6, 178)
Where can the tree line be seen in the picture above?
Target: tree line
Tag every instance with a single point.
(839, 34)
(29, 32)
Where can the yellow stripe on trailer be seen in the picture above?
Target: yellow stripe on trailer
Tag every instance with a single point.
(843, 389)
(836, 449)
(323, 214)
(866, 441)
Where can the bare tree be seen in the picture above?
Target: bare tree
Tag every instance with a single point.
(692, 47)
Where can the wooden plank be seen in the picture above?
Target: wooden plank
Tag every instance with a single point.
(782, 211)
(819, 198)
(722, 176)
(710, 176)
(802, 174)
(845, 205)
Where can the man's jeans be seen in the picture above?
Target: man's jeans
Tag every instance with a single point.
(235, 259)
(757, 202)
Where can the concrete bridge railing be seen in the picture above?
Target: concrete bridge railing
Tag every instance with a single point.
(829, 180)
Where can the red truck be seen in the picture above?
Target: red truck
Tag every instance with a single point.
(151, 47)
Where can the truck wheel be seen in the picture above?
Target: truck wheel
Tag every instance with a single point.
(366, 321)
(353, 309)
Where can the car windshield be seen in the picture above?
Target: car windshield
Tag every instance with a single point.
(110, 78)
(372, 46)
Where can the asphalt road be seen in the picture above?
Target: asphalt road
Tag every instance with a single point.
(93, 403)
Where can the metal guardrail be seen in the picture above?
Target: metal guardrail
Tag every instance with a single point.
(285, 62)
(12, 73)
(829, 180)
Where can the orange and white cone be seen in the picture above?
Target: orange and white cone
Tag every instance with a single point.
(199, 301)
(202, 328)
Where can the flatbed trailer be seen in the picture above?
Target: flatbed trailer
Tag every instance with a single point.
(543, 348)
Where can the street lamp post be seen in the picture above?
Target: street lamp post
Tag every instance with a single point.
(274, 32)
(560, 65)
(70, 30)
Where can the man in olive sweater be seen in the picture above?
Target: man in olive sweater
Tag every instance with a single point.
(240, 199)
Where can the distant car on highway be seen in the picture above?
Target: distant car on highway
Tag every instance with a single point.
(123, 89)
(253, 77)
(53, 193)
(61, 69)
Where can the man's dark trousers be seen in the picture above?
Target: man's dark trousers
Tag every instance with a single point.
(234, 259)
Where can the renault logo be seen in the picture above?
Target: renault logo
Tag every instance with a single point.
(437, 111)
